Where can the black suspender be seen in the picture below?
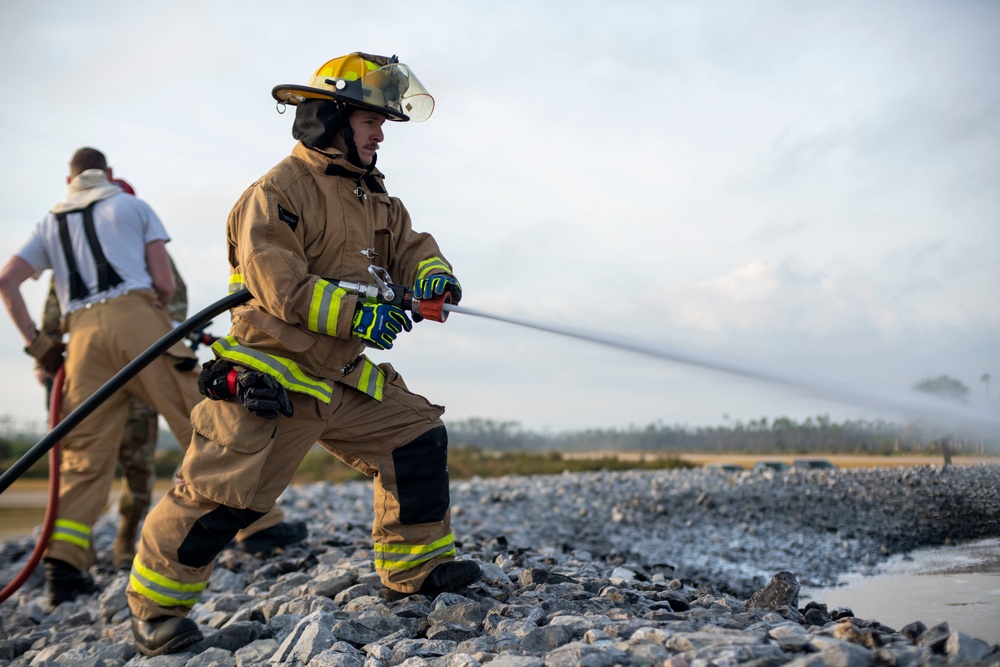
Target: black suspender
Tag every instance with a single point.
(77, 288)
(107, 277)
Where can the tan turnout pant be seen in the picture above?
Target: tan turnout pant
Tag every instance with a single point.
(239, 464)
(105, 338)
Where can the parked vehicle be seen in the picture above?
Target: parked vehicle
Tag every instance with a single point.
(777, 466)
(812, 464)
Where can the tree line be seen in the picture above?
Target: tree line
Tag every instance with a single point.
(781, 435)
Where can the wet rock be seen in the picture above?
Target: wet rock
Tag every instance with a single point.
(782, 591)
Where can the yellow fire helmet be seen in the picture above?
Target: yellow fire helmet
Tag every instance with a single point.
(365, 81)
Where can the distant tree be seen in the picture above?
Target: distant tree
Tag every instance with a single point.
(944, 387)
(985, 379)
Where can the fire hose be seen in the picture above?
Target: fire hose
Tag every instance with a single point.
(951, 415)
(383, 290)
(52, 506)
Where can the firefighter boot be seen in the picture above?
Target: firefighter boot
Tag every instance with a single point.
(65, 582)
(445, 578)
(124, 547)
(165, 634)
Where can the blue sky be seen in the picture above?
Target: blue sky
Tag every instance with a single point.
(806, 187)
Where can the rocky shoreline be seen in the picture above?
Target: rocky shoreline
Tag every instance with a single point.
(638, 568)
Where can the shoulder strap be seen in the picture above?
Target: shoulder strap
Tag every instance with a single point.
(107, 277)
(77, 288)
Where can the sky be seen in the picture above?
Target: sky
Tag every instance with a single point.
(807, 188)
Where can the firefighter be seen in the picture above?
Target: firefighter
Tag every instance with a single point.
(136, 455)
(320, 215)
(113, 280)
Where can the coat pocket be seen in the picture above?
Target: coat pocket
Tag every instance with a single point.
(228, 454)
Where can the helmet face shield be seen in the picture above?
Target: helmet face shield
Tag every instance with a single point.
(368, 82)
(395, 87)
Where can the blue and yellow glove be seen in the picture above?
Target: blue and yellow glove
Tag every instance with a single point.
(436, 285)
(378, 324)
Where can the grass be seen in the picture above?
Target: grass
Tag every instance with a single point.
(467, 462)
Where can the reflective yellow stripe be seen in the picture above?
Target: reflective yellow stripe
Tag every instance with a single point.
(325, 307)
(432, 265)
(73, 532)
(409, 556)
(162, 590)
(235, 282)
(372, 379)
(285, 371)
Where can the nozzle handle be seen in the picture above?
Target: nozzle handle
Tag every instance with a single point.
(432, 309)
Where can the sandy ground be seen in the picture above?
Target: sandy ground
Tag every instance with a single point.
(22, 506)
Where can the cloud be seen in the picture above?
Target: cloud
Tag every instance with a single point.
(809, 186)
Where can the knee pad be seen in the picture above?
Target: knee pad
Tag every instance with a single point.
(211, 533)
(422, 477)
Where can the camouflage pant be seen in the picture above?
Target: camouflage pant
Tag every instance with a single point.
(137, 460)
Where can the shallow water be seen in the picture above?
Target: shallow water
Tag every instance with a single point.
(958, 584)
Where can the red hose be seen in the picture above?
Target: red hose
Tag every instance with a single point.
(52, 508)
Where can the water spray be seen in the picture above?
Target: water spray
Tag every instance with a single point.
(921, 407)
(924, 409)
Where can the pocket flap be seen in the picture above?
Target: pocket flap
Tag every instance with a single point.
(232, 426)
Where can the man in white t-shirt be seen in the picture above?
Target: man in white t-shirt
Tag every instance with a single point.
(107, 253)
(113, 279)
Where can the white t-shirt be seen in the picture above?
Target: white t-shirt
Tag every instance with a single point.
(124, 225)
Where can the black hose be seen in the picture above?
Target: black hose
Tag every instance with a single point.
(117, 382)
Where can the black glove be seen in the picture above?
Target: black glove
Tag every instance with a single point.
(258, 392)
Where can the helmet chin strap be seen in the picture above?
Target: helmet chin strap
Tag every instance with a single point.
(352, 150)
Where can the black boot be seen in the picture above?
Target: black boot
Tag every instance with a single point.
(166, 634)
(445, 578)
(65, 582)
(275, 537)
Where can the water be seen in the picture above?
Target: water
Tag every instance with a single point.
(959, 585)
(925, 408)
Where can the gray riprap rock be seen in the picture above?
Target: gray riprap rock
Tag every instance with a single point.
(539, 641)
(467, 614)
(966, 648)
(455, 660)
(637, 568)
(332, 658)
(844, 654)
(585, 655)
(234, 636)
(213, 657)
(112, 599)
(516, 661)
(329, 584)
(452, 632)
(255, 653)
(310, 637)
(781, 591)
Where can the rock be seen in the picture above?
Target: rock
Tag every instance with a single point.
(634, 568)
(782, 591)
(966, 648)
